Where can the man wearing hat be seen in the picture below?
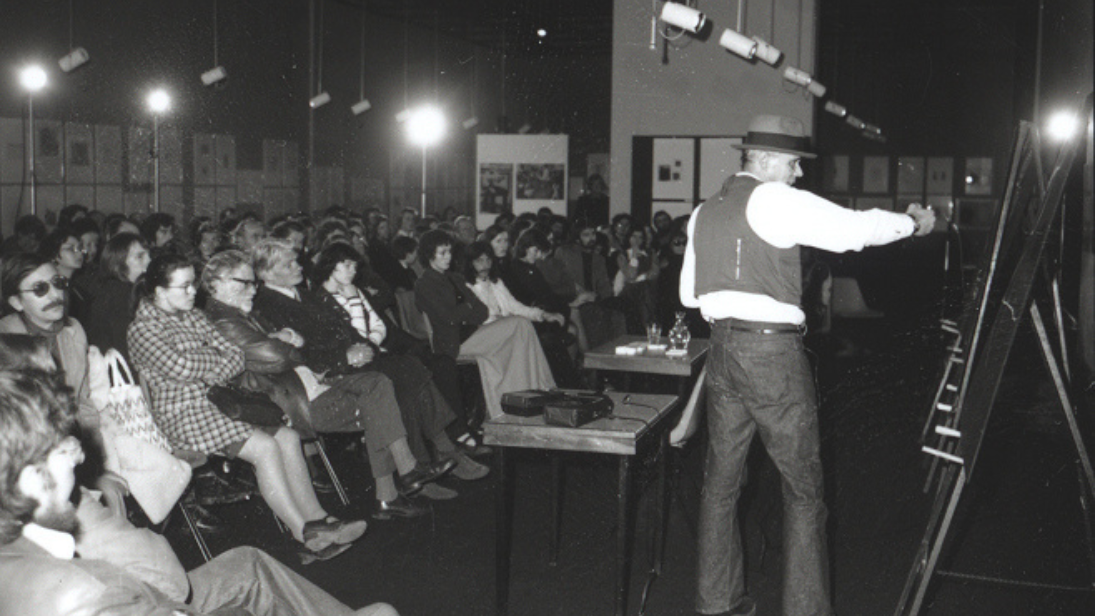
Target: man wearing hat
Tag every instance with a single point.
(742, 270)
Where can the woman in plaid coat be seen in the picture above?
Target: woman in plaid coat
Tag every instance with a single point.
(179, 354)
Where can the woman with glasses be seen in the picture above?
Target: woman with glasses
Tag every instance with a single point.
(63, 248)
(179, 354)
(110, 311)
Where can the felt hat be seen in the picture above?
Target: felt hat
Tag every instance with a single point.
(777, 134)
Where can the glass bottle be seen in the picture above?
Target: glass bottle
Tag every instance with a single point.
(679, 334)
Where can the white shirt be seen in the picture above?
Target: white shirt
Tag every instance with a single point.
(501, 303)
(785, 217)
(58, 544)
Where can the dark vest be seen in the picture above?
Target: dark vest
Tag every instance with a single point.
(731, 257)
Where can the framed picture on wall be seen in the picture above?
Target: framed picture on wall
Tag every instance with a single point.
(541, 181)
(495, 183)
(674, 160)
(876, 174)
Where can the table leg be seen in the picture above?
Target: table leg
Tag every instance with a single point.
(503, 530)
(657, 539)
(623, 536)
(557, 480)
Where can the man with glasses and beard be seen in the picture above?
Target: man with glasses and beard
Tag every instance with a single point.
(57, 560)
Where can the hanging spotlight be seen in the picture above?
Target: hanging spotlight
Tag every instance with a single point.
(404, 115)
(1063, 126)
(766, 52)
(361, 106)
(855, 122)
(470, 123)
(73, 59)
(836, 109)
(319, 100)
(524, 129)
(683, 17)
(214, 75)
(738, 43)
(802, 78)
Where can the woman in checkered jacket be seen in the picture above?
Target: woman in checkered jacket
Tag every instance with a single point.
(179, 354)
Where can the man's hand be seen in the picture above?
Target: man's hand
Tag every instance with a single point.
(289, 336)
(359, 354)
(555, 317)
(923, 217)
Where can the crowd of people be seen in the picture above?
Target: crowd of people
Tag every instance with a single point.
(347, 322)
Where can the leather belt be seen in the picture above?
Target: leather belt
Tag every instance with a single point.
(761, 327)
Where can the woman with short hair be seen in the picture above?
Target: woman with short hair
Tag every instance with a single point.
(180, 355)
(507, 351)
(110, 311)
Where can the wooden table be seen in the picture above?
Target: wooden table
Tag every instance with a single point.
(619, 436)
(604, 357)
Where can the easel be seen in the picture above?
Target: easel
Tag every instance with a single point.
(983, 341)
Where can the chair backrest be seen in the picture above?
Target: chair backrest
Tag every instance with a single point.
(411, 318)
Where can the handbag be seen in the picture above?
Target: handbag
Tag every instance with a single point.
(133, 445)
(253, 407)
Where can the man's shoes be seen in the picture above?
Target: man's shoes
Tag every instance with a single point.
(411, 483)
(322, 484)
(434, 491)
(319, 534)
(471, 446)
(401, 507)
(468, 469)
(309, 556)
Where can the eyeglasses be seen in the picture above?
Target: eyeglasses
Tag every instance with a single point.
(74, 248)
(189, 288)
(247, 282)
(42, 287)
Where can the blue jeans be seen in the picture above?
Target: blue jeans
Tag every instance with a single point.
(762, 383)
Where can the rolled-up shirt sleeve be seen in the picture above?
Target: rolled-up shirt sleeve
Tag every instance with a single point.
(785, 216)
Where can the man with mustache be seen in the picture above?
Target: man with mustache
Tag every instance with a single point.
(35, 290)
(57, 559)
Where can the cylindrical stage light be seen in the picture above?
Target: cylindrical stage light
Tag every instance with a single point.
(856, 122)
(684, 17)
(214, 75)
(361, 106)
(836, 109)
(73, 59)
(319, 100)
(738, 43)
(766, 52)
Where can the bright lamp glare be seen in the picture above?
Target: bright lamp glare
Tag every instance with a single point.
(33, 78)
(1062, 126)
(425, 126)
(159, 101)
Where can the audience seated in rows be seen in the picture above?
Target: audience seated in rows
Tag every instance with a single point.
(58, 558)
(179, 355)
(506, 350)
(332, 346)
(273, 364)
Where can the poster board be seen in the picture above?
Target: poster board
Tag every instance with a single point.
(520, 173)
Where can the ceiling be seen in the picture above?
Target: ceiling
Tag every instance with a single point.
(571, 26)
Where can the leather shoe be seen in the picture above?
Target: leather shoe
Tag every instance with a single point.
(401, 507)
(473, 447)
(319, 533)
(309, 556)
(412, 482)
